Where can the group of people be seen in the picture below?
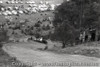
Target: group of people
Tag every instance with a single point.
(87, 36)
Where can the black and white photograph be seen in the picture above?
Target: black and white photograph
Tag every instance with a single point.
(49, 33)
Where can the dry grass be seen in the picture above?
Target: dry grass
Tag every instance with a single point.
(91, 49)
(7, 61)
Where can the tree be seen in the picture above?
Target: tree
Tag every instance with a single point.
(80, 13)
(73, 16)
(87, 14)
(67, 11)
(66, 34)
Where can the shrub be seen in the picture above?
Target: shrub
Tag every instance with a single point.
(1, 45)
(3, 37)
(46, 27)
(37, 25)
(37, 35)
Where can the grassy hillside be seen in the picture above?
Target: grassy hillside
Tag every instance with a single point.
(91, 49)
(32, 17)
(51, 1)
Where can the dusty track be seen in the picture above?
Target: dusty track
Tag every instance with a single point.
(29, 56)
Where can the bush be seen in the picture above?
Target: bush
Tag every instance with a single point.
(43, 27)
(37, 35)
(66, 34)
(46, 27)
(3, 37)
(37, 25)
(1, 45)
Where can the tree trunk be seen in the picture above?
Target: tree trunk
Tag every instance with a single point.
(96, 36)
(63, 45)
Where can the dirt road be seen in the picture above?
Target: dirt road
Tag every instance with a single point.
(38, 58)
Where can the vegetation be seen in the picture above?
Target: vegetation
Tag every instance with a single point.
(3, 37)
(5, 59)
(46, 27)
(72, 17)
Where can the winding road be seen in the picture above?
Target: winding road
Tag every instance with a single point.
(37, 58)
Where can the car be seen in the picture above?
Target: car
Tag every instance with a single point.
(41, 40)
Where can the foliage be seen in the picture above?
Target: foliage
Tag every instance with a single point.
(45, 28)
(73, 16)
(66, 34)
(80, 13)
(3, 37)
(37, 25)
